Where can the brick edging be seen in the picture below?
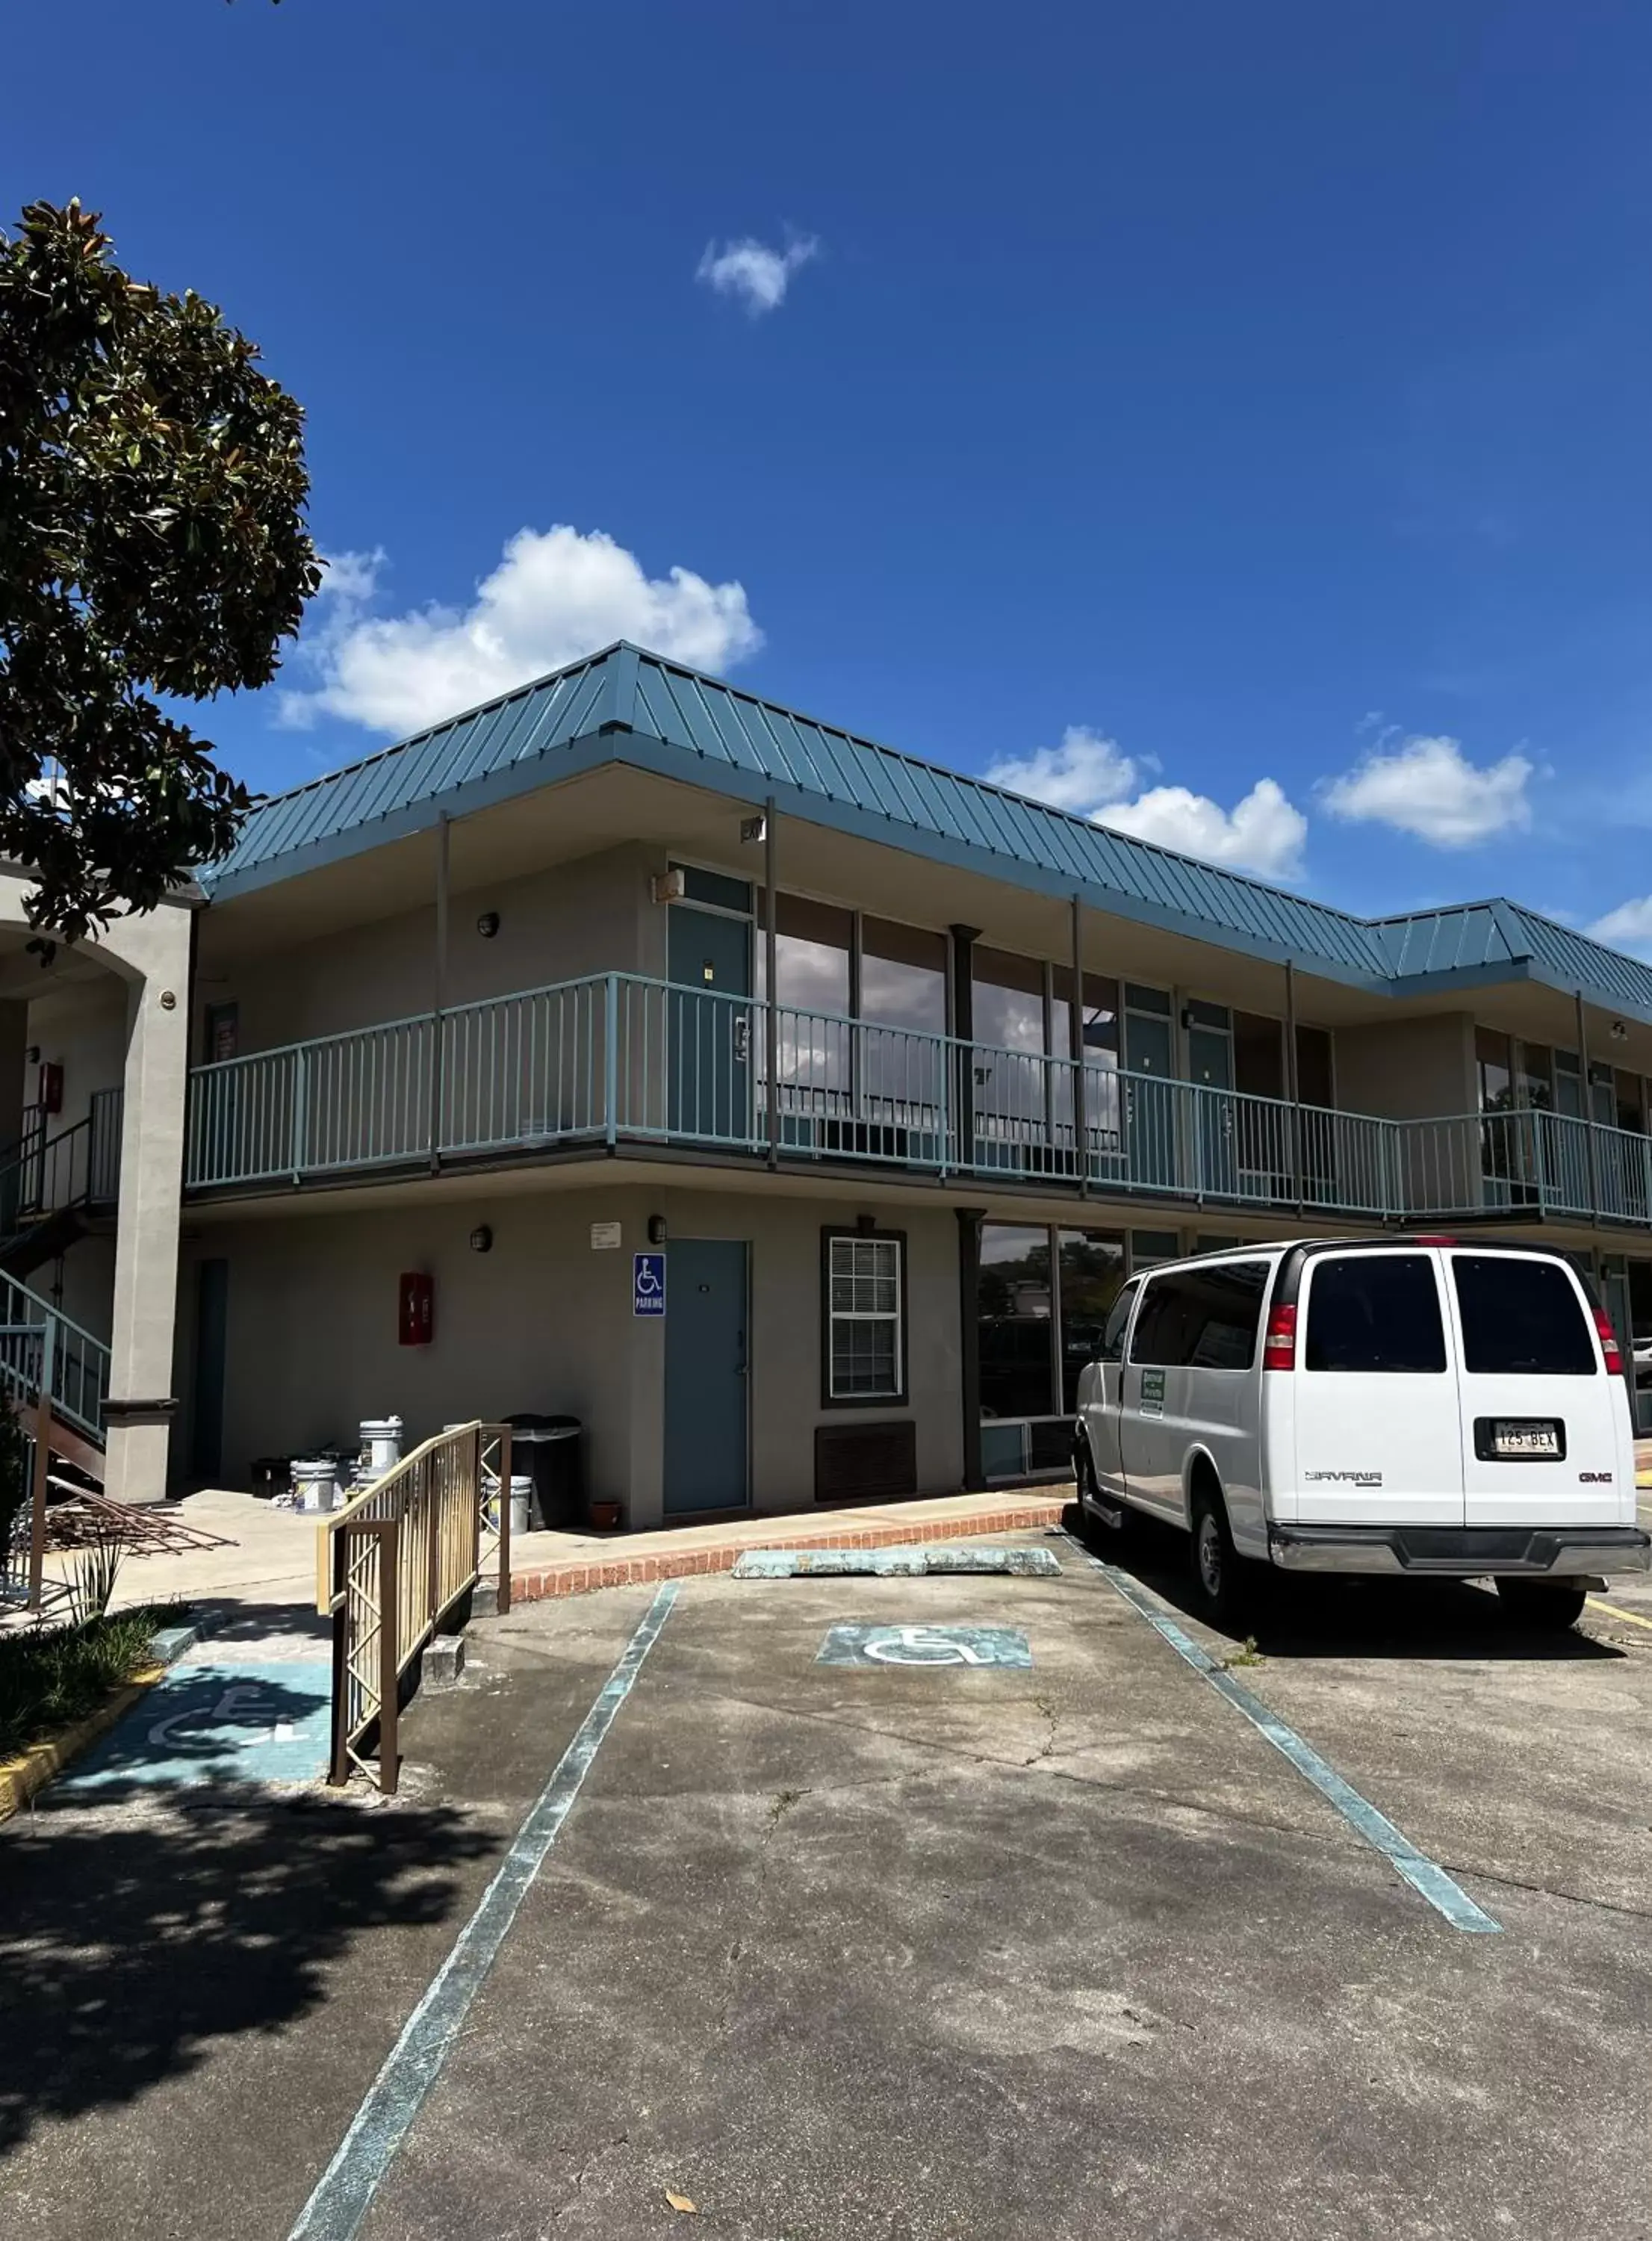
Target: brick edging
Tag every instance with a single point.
(579, 1576)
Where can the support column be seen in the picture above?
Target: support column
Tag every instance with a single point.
(152, 953)
(969, 1352)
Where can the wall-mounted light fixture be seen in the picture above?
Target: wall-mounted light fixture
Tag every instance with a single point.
(667, 886)
(481, 1238)
(488, 924)
(1619, 1032)
(655, 1230)
(865, 1223)
(755, 830)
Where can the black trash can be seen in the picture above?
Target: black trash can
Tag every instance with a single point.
(550, 1451)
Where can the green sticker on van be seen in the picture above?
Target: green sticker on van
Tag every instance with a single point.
(1153, 1392)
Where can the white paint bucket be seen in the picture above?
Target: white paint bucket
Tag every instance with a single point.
(521, 1495)
(381, 1444)
(315, 1485)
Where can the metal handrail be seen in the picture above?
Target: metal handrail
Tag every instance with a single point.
(391, 1564)
(619, 1055)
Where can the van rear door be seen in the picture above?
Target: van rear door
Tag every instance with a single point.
(1547, 1438)
(1378, 1433)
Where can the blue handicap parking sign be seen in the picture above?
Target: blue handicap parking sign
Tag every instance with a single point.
(648, 1284)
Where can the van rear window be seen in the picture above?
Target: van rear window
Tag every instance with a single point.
(1521, 1318)
(1375, 1313)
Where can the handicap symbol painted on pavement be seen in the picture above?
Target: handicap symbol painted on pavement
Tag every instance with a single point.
(957, 1646)
(238, 1721)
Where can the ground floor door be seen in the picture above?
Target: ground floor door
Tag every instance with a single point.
(211, 1331)
(707, 1441)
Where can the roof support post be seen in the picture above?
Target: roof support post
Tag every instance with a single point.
(969, 1342)
(963, 1012)
(1075, 1047)
(1293, 1082)
(1588, 1113)
(444, 829)
(771, 950)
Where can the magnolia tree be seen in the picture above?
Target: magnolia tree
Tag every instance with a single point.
(153, 551)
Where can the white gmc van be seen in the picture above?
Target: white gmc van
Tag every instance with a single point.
(1419, 1405)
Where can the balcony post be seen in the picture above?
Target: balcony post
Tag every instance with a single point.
(444, 833)
(969, 1354)
(771, 952)
(1588, 1113)
(610, 1061)
(963, 1021)
(1293, 1082)
(1075, 1048)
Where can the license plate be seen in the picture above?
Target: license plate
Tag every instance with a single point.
(1526, 1438)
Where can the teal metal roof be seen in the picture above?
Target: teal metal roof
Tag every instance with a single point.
(626, 706)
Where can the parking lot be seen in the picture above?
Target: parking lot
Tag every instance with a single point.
(1068, 1947)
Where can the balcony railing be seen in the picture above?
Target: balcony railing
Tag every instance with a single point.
(617, 1057)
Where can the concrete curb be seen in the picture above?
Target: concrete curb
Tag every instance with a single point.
(29, 1772)
(24, 1777)
(584, 1575)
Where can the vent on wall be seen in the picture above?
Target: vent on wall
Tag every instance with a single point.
(866, 1462)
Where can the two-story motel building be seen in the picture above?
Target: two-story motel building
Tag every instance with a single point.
(509, 1004)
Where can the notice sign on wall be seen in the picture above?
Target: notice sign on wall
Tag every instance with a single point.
(647, 1284)
(604, 1237)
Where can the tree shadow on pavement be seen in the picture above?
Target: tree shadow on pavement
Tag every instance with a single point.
(140, 1927)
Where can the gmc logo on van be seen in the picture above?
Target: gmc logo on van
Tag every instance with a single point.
(1595, 1478)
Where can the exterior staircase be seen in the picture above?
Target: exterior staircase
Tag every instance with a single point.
(54, 1377)
(53, 1187)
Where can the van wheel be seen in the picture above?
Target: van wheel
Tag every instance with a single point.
(1222, 1580)
(1552, 1605)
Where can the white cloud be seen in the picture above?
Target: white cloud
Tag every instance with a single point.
(1628, 926)
(556, 594)
(1263, 833)
(351, 575)
(759, 276)
(1430, 788)
(1091, 776)
(1085, 769)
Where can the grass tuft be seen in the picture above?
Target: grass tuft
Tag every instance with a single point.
(53, 1676)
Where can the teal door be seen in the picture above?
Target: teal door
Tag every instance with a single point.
(1210, 1064)
(1149, 1102)
(705, 1376)
(710, 1038)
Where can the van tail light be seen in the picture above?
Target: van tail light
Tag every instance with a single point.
(1610, 1346)
(1279, 1347)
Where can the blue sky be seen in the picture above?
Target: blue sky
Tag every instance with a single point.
(1234, 421)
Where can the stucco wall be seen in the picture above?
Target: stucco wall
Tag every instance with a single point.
(1407, 1069)
(544, 1323)
(557, 924)
(82, 1027)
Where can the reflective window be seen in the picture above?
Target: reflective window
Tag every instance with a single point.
(1091, 1271)
(1201, 1318)
(1521, 1318)
(1014, 1322)
(1375, 1313)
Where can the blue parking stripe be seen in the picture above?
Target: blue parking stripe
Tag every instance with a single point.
(1424, 1874)
(344, 2192)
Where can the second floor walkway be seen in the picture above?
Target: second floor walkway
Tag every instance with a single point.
(617, 1060)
